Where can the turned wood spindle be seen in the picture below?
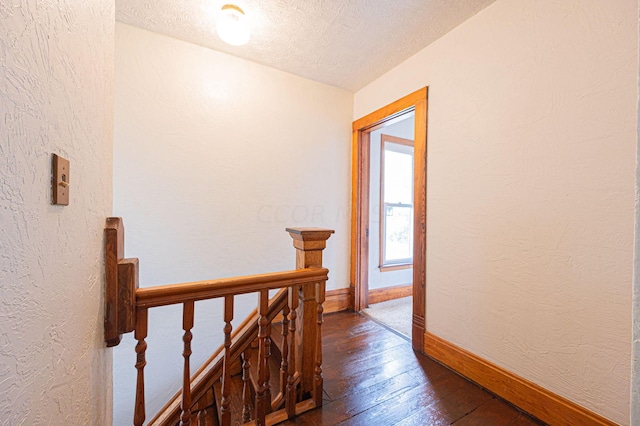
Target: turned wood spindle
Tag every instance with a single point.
(267, 370)
(187, 325)
(225, 410)
(318, 381)
(284, 365)
(141, 347)
(290, 396)
(246, 386)
(263, 322)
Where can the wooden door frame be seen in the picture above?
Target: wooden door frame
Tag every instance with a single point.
(417, 102)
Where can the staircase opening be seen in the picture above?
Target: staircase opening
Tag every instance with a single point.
(269, 368)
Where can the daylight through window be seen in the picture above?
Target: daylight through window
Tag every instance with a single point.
(396, 201)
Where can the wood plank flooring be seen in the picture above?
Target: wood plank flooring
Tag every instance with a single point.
(372, 377)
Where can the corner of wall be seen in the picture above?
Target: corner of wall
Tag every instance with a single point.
(56, 96)
(635, 350)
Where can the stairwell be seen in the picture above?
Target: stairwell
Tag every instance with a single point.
(269, 368)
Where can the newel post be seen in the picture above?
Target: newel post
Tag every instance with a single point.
(121, 282)
(309, 244)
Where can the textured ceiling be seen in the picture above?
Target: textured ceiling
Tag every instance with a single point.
(343, 43)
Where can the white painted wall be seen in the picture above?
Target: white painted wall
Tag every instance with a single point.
(56, 96)
(214, 157)
(531, 160)
(377, 279)
(635, 360)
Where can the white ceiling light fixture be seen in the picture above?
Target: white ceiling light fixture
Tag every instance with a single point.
(232, 26)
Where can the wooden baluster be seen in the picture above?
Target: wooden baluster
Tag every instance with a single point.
(187, 325)
(290, 401)
(261, 403)
(284, 365)
(141, 347)
(246, 386)
(225, 410)
(267, 369)
(318, 381)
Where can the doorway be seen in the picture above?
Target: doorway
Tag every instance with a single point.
(390, 274)
(415, 106)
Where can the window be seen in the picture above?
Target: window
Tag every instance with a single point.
(396, 203)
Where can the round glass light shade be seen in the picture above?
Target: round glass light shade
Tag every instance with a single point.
(232, 26)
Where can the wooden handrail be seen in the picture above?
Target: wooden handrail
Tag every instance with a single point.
(200, 290)
(302, 294)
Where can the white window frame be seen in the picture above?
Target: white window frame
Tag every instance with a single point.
(390, 265)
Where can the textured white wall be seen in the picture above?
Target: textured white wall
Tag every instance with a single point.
(635, 360)
(56, 96)
(635, 354)
(531, 161)
(377, 279)
(214, 157)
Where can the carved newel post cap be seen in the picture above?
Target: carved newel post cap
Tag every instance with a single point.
(310, 238)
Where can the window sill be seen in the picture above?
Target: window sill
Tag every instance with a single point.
(395, 266)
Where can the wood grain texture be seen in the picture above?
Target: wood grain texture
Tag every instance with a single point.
(290, 394)
(280, 416)
(262, 384)
(225, 413)
(121, 284)
(417, 102)
(420, 221)
(283, 345)
(301, 283)
(141, 361)
(206, 410)
(361, 208)
(247, 389)
(309, 243)
(113, 253)
(530, 397)
(337, 300)
(389, 293)
(200, 290)
(128, 283)
(390, 111)
(188, 313)
(317, 373)
(211, 371)
(373, 377)
(355, 236)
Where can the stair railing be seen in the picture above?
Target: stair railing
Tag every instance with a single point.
(299, 302)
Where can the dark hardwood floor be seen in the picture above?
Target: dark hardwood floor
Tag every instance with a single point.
(372, 377)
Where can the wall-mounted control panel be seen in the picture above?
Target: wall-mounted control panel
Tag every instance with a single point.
(60, 180)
